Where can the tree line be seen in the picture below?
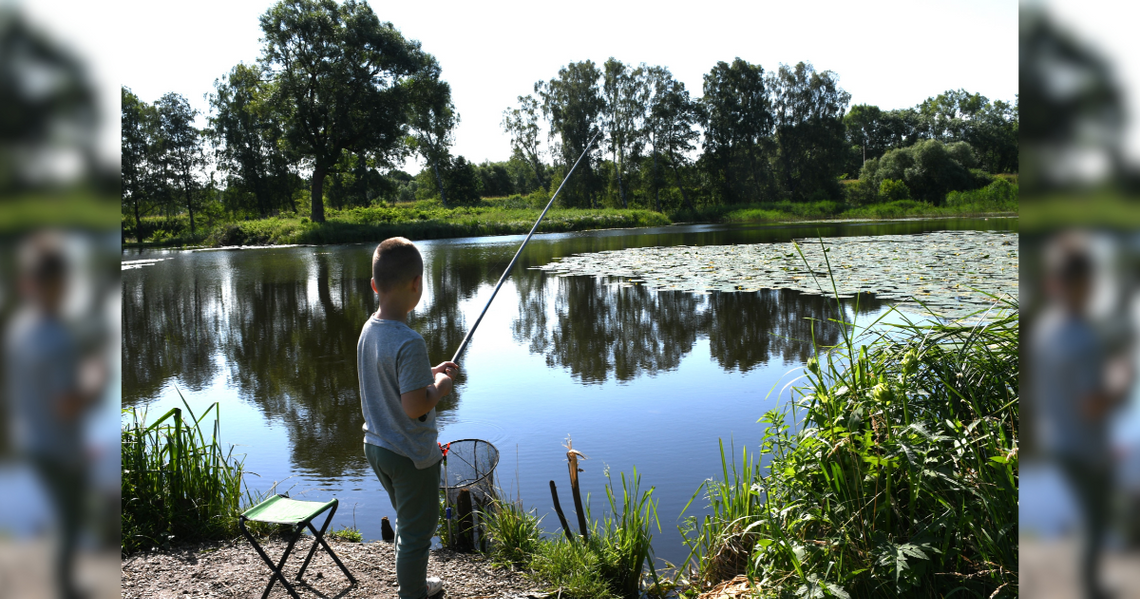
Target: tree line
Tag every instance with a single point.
(338, 98)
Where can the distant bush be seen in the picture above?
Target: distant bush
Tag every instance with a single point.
(929, 168)
(999, 195)
(893, 189)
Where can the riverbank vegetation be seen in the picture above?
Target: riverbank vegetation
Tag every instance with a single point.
(757, 144)
(429, 219)
(894, 471)
(178, 486)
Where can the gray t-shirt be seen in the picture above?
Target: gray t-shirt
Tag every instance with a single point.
(41, 363)
(392, 360)
(1067, 367)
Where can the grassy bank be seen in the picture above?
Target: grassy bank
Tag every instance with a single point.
(1001, 196)
(899, 479)
(422, 220)
(516, 215)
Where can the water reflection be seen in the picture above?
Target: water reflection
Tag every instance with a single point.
(600, 329)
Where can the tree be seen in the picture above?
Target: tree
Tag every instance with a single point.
(865, 129)
(433, 120)
(522, 125)
(247, 138)
(626, 97)
(49, 105)
(137, 123)
(672, 121)
(738, 123)
(807, 109)
(182, 147)
(338, 82)
(464, 183)
(572, 104)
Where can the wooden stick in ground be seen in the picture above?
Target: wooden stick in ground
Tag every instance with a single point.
(558, 510)
(466, 538)
(572, 458)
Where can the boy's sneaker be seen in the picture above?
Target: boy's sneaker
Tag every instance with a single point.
(434, 586)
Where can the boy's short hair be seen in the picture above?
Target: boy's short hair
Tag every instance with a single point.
(42, 259)
(1069, 261)
(395, 262)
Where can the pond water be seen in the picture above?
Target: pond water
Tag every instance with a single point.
(638, 378)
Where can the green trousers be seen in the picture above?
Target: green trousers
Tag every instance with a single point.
(415, 497)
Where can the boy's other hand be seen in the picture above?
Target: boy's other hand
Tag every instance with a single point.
(447, 368)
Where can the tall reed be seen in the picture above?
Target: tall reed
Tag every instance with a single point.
(897, 477)
(177, 485)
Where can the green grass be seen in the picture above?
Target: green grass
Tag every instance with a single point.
(898, 477)
(177, 485)
(421, 220)
(614, 561)
(966, 204)
(514, 532)
(348, 533)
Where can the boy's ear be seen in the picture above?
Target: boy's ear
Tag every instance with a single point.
(374, 289)
(418, 283)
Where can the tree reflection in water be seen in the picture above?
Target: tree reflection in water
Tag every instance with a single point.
(600, 329)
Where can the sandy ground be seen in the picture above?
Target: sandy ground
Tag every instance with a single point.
(24, 571)
(1048, 570)
(233, 569)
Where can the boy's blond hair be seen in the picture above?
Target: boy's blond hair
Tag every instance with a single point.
(395, 262)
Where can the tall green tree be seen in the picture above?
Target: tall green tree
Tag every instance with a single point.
(137, 120)
(807, 109)
(864, 125)
(738, 112)
(573, 104)
(339, 78)
(522, 125)
(673, 118)
(626, 101)
(247, 139)
(182, 148)
(433, 120)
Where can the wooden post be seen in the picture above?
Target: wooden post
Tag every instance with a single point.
(558, 510)
(572, 461)
(465, 541)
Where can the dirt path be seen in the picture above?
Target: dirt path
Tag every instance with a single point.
(1048, 570)
(233, 569)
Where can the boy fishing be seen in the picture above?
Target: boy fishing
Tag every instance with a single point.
(398, 386)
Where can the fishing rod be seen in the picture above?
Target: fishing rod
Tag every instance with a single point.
(471, 331)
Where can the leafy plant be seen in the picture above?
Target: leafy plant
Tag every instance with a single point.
(898, 475)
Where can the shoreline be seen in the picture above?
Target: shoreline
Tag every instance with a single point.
(793, 221)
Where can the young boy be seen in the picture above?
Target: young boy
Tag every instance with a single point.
(397, 387)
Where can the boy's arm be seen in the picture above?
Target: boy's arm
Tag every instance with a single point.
(421, 401)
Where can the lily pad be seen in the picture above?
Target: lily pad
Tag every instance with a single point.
(939, 269)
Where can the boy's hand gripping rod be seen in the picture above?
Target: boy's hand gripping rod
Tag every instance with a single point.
(467, 337)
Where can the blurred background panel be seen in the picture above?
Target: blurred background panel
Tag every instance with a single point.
(1080, 146)
(59, 181)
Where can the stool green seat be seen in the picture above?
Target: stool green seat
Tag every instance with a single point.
(280, 509)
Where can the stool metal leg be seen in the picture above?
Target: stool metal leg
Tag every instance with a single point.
(319, 539)
(277, 573)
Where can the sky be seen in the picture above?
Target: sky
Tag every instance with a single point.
(890, 54)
